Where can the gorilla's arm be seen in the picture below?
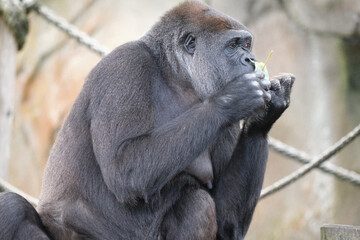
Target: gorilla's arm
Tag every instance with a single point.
(145, 161)
(238, 188)
(136, 157)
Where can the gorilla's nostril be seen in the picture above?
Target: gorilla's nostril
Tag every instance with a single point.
(250, 60)
(246, 60)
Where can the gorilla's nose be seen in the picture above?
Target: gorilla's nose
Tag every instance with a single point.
(246, 60)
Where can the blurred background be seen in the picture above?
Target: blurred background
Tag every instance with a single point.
(317, 40)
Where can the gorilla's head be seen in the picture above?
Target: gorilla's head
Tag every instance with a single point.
(204, 47)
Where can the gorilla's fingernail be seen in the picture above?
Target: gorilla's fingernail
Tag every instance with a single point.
(255, 83)
(275, 85)
(268, 96)
(260, 74)
(259, 92)
(209, 184)
(266, 84)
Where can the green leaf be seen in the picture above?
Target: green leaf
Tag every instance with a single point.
(261, 67)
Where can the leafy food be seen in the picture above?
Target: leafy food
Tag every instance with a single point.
(260, 66)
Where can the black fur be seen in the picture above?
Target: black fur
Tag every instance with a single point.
(152, 147)
(19, 220)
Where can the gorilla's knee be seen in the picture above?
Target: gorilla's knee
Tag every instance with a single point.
(202, 209)
(193, 217)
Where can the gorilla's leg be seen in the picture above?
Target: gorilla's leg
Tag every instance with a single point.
(75, 220)
(18, 219)
(192, 217)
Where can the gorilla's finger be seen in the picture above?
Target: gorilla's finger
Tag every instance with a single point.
(278, 77)
(275, 85)
(265, 84)
(250, 76)
(267, 96)
(260, 75)
(287, 85)
(281, 76)
(292, 79)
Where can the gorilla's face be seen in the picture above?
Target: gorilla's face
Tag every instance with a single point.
(215, 58)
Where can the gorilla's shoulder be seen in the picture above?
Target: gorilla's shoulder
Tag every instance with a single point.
(129, 56)
(127, 71)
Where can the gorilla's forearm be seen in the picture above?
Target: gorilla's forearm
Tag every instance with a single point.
(143, 164)
(237, 190)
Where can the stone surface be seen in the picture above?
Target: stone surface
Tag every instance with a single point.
(326, 16)
(339, 232)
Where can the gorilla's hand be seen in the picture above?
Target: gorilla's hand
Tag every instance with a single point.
(243, 97)
(280, 99)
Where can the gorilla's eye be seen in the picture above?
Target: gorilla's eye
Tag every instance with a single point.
(234, 45)
(247, 45)
(189, 43)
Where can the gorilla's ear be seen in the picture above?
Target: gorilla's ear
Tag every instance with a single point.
(189, 43)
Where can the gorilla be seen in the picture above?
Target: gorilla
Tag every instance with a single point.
(152, 147)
